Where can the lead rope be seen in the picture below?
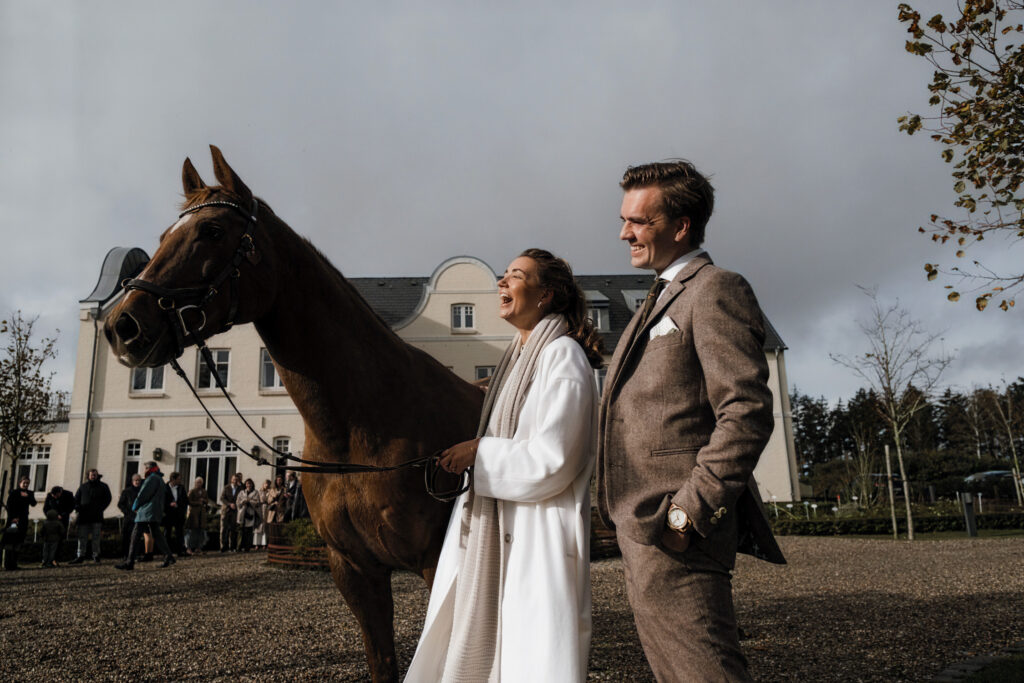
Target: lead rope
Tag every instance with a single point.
(430, 462)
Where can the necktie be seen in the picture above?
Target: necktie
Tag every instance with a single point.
(652, 298)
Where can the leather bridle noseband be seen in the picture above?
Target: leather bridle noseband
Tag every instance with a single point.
(176, 301)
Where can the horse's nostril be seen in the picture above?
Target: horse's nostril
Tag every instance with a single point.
(126, 328)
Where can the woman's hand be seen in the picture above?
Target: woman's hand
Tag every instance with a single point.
(460, 456)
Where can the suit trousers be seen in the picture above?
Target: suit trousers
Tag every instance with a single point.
(682, 604)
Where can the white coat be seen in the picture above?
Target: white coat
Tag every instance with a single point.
(543, 476)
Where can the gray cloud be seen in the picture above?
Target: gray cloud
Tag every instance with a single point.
(395, 137)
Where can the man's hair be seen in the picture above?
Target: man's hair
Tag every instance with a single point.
(175, 475)
(684, 192)
(148, 464)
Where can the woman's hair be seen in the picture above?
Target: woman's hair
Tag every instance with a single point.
(567, 298)
(250, 481)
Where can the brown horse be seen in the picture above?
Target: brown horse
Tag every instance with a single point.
(365, 395)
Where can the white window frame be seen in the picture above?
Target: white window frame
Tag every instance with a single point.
(149, 376)
(461, 322)
(132, 456)
(32, 459)
(276, 385)
(211, 383)
(222, 453)
(283, 444)
(597, 311)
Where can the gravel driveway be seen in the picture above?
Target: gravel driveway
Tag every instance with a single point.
(842, 610)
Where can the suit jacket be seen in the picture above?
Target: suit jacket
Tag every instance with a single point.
(175, 515)
(685, 416)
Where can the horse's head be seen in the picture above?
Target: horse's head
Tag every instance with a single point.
(208, 273)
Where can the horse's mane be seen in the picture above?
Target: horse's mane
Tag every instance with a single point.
(205, 194)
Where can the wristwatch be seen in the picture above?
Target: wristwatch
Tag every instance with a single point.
(678, 520)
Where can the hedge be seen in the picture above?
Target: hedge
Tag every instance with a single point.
(883, 525)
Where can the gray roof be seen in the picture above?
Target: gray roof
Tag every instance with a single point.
(120, 263)
(395, 299)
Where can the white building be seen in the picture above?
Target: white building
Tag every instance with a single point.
(121, 417)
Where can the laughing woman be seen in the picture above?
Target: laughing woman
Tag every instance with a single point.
(511, 596)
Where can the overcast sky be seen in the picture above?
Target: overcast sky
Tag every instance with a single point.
(396, 135)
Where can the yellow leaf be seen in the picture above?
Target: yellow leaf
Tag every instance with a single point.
(981, 302)
(953, 296)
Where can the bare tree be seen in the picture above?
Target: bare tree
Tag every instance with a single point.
(900, 369)
(26, 399)
(1001, 408)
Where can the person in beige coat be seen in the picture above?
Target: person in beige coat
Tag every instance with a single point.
(685, 414)
(275, 502)
(249, 508)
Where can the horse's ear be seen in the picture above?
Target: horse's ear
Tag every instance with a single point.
(227, 178)
(190, 180)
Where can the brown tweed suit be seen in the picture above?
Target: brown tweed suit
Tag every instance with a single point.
(684, 418)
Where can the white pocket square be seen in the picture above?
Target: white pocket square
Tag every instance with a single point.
(663, 327)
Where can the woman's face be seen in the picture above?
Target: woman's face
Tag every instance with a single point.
(279, 481)
(521, 299)
(199, 482)
(23, 484)
(249, 486)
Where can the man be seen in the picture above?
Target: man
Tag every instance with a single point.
(292, 499)
(148, 509)
(685, 413)
(124, 504)
(91, 500)
(229, 514)
(62, 501)
(19, 500)
(174, 514)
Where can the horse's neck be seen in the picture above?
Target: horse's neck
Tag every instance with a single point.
(333, 351)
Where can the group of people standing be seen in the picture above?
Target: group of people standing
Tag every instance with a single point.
(157, 517)
(246, 510)
(684, 415)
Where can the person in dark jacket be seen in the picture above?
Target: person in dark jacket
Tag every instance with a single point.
(62, 501)
(52, 533)
(124, 504)
(175, 509)
(149, 512)
(91, 500)
(18, 502)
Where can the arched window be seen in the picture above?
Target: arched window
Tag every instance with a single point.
(211, 458)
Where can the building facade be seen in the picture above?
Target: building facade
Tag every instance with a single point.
(120, 417)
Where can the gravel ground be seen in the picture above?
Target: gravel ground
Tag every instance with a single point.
(842, 610)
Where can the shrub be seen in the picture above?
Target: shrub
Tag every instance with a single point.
(883, 525)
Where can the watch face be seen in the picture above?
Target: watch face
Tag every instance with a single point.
(676, 518)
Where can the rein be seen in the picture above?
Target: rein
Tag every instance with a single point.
(176, 301)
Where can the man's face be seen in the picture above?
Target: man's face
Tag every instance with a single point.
(136, 480)
(92, 475)
(654, 242)
(236, 480)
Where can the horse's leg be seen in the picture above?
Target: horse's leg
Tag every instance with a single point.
(367, 591)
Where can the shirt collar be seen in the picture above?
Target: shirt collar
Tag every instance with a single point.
(669, 274)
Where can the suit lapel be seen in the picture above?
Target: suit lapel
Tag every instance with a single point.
(625, 350)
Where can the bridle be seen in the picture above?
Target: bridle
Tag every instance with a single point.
(176, 301)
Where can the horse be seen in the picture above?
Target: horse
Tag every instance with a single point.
(365, 396)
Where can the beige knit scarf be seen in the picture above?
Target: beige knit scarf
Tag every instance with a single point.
(474, 650)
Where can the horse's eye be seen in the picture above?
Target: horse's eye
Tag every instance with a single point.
(211, 231)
